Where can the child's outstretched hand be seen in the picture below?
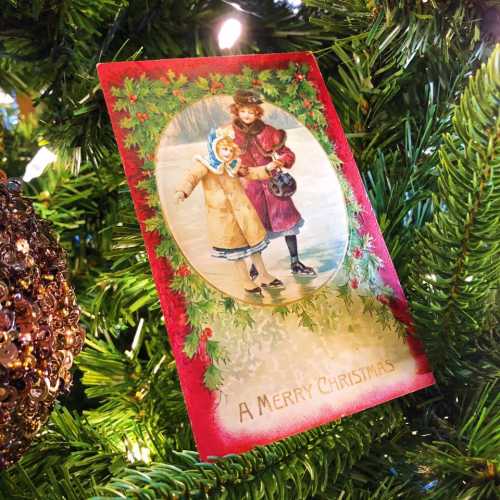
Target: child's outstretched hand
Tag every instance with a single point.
(179, 197)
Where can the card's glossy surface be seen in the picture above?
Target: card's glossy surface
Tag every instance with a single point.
(282, 305)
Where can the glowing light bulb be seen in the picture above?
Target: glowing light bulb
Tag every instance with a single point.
(38, 163)
(229, 33)
(5, 98)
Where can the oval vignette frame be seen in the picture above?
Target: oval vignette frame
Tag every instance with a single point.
(323, 238)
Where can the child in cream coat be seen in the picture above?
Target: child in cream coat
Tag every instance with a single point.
(235, 230)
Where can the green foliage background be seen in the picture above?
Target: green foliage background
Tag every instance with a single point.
(416, 85)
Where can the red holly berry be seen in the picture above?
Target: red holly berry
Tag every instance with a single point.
(299, 77)
(256, 83)
(357, 253)
(142, 117)
(354, 283)
(206, 333)
(132, 98)
(383, 299)
(307, 104)
(183, 271)
(216, 86)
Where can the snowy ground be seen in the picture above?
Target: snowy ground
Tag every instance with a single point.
(322, 241)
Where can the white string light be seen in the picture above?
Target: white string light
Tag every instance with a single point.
(36, 166)
(229, 33)
(5, 99)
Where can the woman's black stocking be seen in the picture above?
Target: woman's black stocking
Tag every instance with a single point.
(291, 243)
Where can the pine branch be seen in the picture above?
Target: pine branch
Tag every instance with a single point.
(67, 40)
(387, 489)
(452, 452)
(393, 83)
(94, 216)
(456, 266)
(297, 467)
(69, 455)
(138, 391)
(467, 464)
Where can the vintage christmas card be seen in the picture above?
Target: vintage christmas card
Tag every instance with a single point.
(282, 305)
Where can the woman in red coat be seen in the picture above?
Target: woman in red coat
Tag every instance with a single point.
(263, 145)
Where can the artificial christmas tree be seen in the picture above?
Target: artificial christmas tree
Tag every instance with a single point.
(422, 118)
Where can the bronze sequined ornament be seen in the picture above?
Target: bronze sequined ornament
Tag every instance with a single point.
(39, 322)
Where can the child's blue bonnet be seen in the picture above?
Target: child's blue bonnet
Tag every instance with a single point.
(216, 164)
